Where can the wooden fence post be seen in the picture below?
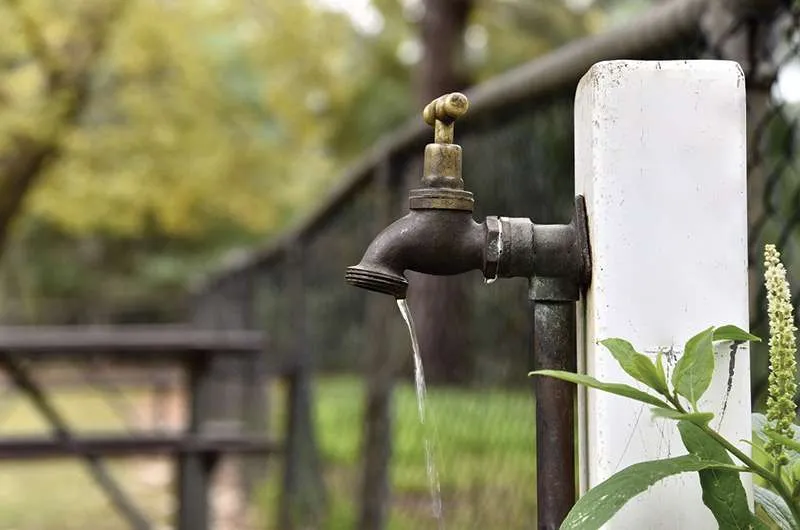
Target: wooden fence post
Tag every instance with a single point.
(238, 386)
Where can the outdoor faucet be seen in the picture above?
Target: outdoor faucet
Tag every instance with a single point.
(440, 237)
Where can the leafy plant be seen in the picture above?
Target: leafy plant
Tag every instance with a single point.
(718, 462)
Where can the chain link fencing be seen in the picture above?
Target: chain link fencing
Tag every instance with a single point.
(518, 161)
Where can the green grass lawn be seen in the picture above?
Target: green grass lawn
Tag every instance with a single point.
(485, 455)
(485, 460)
(59, 494)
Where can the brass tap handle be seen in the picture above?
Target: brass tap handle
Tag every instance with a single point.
(442, 112)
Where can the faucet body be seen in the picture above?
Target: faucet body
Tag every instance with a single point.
(447, 242)
(440, 237)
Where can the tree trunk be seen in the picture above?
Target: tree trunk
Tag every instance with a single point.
(441, 304)
(26, 157)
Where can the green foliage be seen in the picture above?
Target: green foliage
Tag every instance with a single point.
(209, 125)
(782, 388)
(637, 365)
(204, 126)
(693, 372)
(612, 388)
(723, 493)
(734, 334)
(191, 100)
(702, 418)
(600, 503)
(477, 430)
(790, 443)
(775, 507)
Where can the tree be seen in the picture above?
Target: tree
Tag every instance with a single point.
(195, 98)
(518, 31)
(172, 130)
(203, 126)
(44, 93)
(441, 303)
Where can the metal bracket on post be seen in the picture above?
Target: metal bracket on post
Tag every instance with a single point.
(562, 265)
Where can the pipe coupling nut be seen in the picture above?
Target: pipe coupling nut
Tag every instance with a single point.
(493, 249)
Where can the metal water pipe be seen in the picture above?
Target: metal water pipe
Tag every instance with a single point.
(439, 236)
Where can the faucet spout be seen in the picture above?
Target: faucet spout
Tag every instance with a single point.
(430, 241)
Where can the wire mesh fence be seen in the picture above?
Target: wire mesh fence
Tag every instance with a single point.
(518, 161)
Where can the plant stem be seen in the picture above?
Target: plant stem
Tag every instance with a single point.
(770, 477)
(758, 469)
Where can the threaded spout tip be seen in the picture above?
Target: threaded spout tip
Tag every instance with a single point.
(373, 280)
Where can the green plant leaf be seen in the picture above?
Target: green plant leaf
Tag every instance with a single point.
(612, 388)
(760, 435)
(789, 443)
(600, 503)
(635, 364)
(650, 375)
(660, 367)
(794, 467)
(723, 492)
(758, 524)
(701, 418)
(757, 447)
(759, 421)
(733, 333)
(774, 505)
(693, 371)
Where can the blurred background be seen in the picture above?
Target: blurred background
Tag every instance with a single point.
(220, 162)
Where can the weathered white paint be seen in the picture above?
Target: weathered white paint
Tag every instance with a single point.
(661, 159)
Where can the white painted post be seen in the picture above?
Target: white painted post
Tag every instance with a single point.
(661, 159)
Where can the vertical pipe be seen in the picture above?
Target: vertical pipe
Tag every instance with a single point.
(554, 348)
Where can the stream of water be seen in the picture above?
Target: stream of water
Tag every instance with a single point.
(430, 438)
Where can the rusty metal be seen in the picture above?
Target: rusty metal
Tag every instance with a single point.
(440, 242)
(438, 237)
(562, 268)
(554, 347)
(442, 112)
(442, 184)
(493, 247)
(544, 250)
